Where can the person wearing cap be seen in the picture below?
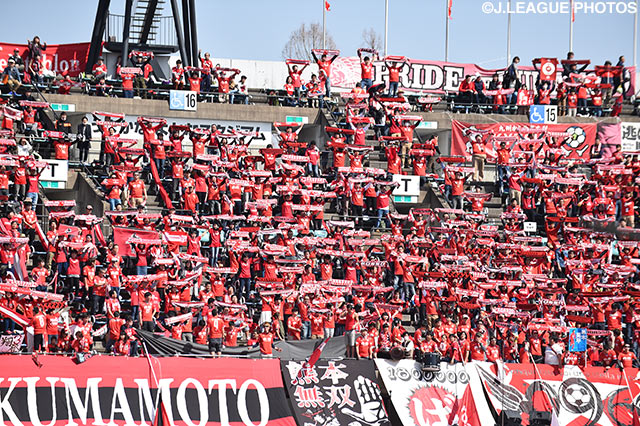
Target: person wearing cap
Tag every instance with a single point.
(17, 59)
(11, 76)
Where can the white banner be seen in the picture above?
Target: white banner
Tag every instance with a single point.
(578, 396)
(630, 136)
(134, 131)
(10, 343)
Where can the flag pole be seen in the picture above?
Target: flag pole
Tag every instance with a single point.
(324, 25)
(155, 380)
(635, 35)
(571, 15)
(624, 372)
(536, 371)
(386, 26)
(446, 35)
(509, 32)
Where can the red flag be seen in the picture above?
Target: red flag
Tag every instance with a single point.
(36, 361)
(449, 9)
(99, 235)
(467, 413)
(122, 235)
(156, 178)
(10, 313)
(573, 12)
(313, 358)
(548, 69)
(161, 419)
(636, 420)
(327, 6)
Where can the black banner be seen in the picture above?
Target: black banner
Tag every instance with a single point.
(298, 349)
(335, 392)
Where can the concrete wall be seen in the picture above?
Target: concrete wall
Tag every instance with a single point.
(159, 108)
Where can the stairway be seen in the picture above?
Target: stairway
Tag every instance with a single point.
(154, 201)
(137, 20)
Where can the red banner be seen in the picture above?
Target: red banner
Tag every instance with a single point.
(118, 391)
(548, 69)
(121, 237)
(578, 143)
(57, 57)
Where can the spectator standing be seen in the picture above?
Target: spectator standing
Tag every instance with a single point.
(478, 158)
(366, 70)
(324, 69)
(84, 139)
(296, 79)
(394, 68)
(207, 65)
(510, 80)
(35, 48)
(618, 80)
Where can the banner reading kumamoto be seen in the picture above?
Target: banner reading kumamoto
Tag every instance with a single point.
(108, 390)
(335, 393)
(575, 139)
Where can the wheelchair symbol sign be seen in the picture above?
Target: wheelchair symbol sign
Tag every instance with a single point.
(536, 114)
(176, 100)
(183, 100)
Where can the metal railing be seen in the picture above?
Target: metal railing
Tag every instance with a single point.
(162, 32)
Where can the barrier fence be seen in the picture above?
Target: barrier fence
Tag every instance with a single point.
(187, 391)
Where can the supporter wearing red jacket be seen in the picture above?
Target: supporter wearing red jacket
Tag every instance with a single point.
(265, 342)
(39, 324)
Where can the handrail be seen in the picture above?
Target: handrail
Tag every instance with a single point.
(55, 116)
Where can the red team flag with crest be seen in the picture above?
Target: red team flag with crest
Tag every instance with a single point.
(467, 412)
(548, 68)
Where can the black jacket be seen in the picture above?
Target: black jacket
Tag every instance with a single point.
(84, 133)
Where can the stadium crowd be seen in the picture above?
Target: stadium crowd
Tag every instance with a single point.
(576, 92)
(241, 252)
